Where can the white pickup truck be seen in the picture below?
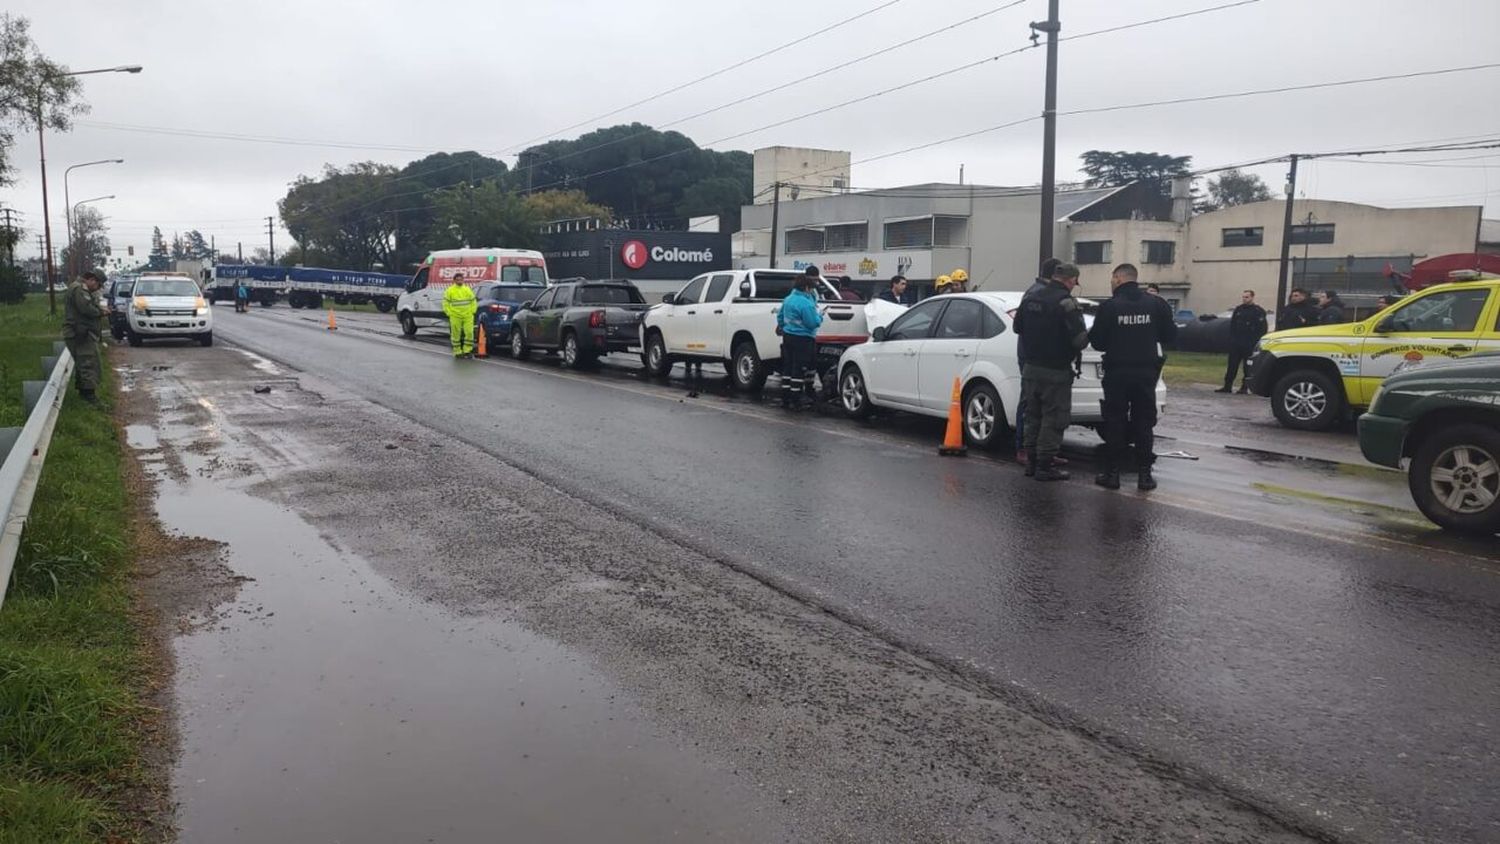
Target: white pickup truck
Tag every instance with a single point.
(729, 317)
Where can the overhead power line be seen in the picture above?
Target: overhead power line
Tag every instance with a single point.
(704, 78)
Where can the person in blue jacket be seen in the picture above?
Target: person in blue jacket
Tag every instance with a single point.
(797, 322)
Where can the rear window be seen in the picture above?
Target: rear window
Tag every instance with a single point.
(513, 274)
(609, 294)
(774, 286)
(510, 292)
(166, 287)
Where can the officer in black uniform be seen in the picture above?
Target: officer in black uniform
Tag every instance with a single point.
(1052, 335)
(1131, 329)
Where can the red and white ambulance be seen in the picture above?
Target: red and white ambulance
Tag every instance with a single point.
(421, 306)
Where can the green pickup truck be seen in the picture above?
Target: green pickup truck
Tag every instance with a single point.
(1445, 418)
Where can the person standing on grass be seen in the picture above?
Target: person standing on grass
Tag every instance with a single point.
(1246, 326)
(82, 313)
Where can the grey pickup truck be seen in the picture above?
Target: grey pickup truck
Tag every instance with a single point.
(583, 320)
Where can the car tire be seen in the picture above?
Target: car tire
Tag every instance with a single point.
(853, 396)
(655, 358)
(1455, 478)
(517, 342)
(573, 356)
(206, 339)
(984, 417)
(746, 369)
(408, 325)
(1308, 400)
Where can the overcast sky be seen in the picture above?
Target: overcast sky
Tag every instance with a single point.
(389, 81)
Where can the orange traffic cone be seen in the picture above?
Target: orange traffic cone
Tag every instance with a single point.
(953, 440)
(332, 323)
(482, 350)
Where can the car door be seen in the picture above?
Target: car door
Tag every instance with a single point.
(551, 318)
(949, 352)
(893, 362)
(681, 329)
(532, 317)
(1441, 325)
(711, 323)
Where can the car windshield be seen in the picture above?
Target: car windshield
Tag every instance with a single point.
(123, 288)
(609, 294)
(510, 292)
(166, 287)
(516, 274)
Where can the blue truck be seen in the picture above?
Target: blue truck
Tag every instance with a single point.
(306, 287)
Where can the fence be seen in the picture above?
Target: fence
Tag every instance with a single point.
(24, 450)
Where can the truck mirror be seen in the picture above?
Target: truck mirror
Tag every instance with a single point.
(669, 299)
(878, 335)
(745, 289)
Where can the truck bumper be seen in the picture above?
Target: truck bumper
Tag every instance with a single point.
(1262, 367)
(1381, 439)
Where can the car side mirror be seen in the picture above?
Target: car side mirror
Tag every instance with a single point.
(745, 289)
(878, 335)
(669, 299)
(524, 306)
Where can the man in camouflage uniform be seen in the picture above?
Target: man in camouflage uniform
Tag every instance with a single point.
(1052, 335)
(82, 316)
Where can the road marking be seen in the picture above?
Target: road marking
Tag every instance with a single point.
(1357, 539)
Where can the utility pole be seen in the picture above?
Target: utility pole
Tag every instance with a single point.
(1051, 26)
(46, 219)
(775, 219)
(240, 247)
(1286, 234)
(10, 243)
(271, 230)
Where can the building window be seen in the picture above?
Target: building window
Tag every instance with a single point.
(1313, 233)
(950, 231)
(909, 234)
(852, 237)
(1252, 236)
(1158, 252)
(803, 240)
(1092, 251)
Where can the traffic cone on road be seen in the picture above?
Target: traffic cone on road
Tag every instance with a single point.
(953, 440)
(333, 324)
(482, 349)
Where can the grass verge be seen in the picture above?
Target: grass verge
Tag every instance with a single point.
(1194, 368)
(73, 661)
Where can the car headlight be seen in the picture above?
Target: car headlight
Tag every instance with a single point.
(138, 304)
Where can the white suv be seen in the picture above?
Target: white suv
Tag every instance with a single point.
(168, 305)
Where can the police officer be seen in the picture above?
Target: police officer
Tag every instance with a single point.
(1052, 337)
(460, 305)
(1131, 329)
(82, 313)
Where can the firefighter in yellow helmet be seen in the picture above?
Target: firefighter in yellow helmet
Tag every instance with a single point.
(460, 305)
(960, 281)
(943, 284)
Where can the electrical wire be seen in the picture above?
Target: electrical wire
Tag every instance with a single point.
(721, 71)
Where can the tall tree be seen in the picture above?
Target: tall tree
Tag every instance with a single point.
(90, 244)
(158, 242)
(1111, 169)
(487, 215)
(1233, 187)
(551, 205)
(195, 246)
(32, 89)
(350, 214)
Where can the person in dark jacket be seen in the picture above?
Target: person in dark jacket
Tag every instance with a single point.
(1299, 312)
(1131, 329)
(1049, 267)
(1247, 324)
(896, 293)
(797, 322)
(1331, 308)
(1052, 335)
(83, 316)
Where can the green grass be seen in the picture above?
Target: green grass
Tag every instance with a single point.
(1194, 368)
(72, 662)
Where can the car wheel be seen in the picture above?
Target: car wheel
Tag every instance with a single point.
(206, 338)
(852, 394)
(1455, 478)
(384, 305)
(572, 357)
(408, 325)
(517, 343)
(1308, 400)
(746, 368)
(656, 360)
(984, 417)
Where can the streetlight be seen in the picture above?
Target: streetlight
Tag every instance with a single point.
(68, 217)
(42, 147)
(73, 212)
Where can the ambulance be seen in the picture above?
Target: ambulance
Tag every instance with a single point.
(421, 305)
(1317, 376)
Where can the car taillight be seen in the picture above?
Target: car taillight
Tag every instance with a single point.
(596, 319)
(497, 309)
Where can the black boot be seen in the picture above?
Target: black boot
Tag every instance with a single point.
(1050, 472)
(1225, 389)
(1031, 463)
(1143, 479)
(1109, 478)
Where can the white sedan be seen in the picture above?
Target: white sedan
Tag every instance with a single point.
(911, 365)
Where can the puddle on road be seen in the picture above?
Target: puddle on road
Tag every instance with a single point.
(142, 437)
(325, 706)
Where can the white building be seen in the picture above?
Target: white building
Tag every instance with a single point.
(800, 171)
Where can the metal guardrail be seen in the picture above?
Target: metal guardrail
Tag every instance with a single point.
(25, 450)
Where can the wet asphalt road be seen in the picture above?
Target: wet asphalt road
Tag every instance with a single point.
(1252, 628)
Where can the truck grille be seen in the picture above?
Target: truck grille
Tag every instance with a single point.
(169, 312)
